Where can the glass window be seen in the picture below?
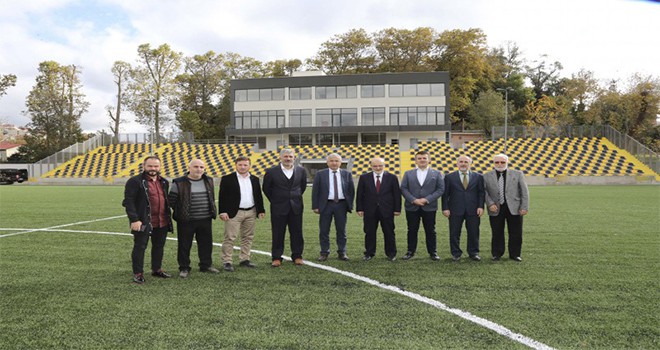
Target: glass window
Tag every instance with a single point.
(294, 93)
(324, 139)
(300, 139)
(410, 90)
(253, 95)
(423, 89)
(320, 92)
(306, 93)
(278, 94)
(437, 89)
(373, 139)
(324, 117)
(330, 92)
(379, 116)
(366, 91)
(379, 90)
(396, 90)
(265, 94)
(351, 91)
(238, 123)
(349, 117)
(241, 95)
(341, 91)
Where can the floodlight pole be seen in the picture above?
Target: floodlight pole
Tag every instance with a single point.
(506, 112)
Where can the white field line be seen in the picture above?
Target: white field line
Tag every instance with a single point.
(58, 226)
(439, 305)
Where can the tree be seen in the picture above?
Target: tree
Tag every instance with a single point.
(463, 53)
(349, 53)
(487, 111)
(403, 50)
(544, 77)
(55, 105)
(6, 81)
(547, 111)
(152, 86)
(581, 90)
(200, 88)
(121, 73)
(282, 68)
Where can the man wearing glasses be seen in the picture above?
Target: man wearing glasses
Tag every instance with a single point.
(507, 199)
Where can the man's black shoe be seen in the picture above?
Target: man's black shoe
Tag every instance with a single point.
(247, 263)
(367, 257)
(435, 257)
(138, 278)
(456, 258)
(517, 259)
(160, 273)
(475, 257)
(342, 256)
(391, 258)
(227, 267)
(408, 255)
(496, 258)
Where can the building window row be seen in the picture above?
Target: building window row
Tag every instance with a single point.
(259, 119)
(337, 139)
(341, 92)
(416, 90)
(335, 117)
(276, 94)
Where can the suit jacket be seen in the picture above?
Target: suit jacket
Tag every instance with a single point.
(460, 201)
(284, 197)
(516, 193)
(229, 195)
(387, 201)
(432, 189)
(321, 189)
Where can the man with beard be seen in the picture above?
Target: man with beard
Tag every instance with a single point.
(507, 199)
(148, 211)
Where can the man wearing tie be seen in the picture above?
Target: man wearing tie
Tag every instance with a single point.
(507, 199)
(284, 185)
(332, 196)
(421, 188)
(463, 201)
(378, 200)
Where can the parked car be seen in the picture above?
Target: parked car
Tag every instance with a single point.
(9, 176)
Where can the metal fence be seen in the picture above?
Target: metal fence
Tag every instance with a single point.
(641, 152)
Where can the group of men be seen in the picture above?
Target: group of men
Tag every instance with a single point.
(149, 199)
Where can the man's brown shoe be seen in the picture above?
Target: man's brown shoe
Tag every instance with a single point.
(298, 261)
(323, 257)
(343, 257)
(276, 263)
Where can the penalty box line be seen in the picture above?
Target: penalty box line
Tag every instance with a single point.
(499, 329)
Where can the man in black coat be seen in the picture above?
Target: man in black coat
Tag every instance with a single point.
(240, 204)
(148, 211)
(378, 200)
(284, 185)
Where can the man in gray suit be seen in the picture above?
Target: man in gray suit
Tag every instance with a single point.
(421, 189)
(333, 192)
(507, 199)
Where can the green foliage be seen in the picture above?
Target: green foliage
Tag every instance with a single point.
(6, 81)
(403, 50)
(487, 111)
(589, 280)
(54, 105)
(349, 53)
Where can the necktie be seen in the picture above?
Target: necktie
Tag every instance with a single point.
(377, 183)
(465, 180)
(334, 182)
(500, 187)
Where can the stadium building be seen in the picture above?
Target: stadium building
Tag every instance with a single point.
(310, 108)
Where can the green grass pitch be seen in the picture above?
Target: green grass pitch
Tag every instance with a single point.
(590, 279)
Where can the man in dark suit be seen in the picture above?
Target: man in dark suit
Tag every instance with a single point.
(333, 192)
(284, 185)
(378, 200)
(463, 201)
(422, 187)
(240, 203)
(507, 199)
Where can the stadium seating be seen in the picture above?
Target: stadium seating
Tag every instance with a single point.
(547, 157)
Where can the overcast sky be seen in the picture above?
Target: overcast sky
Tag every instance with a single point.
(612, 38)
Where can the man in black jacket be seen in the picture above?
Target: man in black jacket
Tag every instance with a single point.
(193, 200)
(148, 211)
(284, 185)
(240, 203)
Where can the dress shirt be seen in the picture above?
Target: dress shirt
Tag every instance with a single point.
(421, 175)
(287, 172)
(331, 190)
(381, 177)
(247, 197)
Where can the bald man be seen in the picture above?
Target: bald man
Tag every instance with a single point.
(192, 198)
